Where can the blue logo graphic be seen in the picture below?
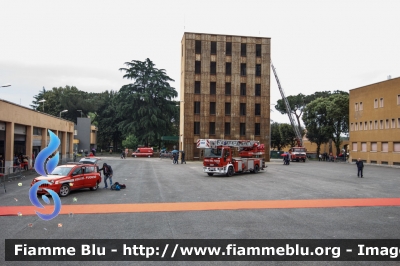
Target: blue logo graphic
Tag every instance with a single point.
(39, 167)
(45, 153)
(35, 200)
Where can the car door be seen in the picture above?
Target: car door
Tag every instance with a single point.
(78, 177)
(90, 176)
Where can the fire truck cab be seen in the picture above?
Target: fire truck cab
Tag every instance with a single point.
(218, 156)
(298, 154)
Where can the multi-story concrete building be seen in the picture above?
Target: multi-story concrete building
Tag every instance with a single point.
(85, 135)
(225, 89)
(375, 123)
(25, 131)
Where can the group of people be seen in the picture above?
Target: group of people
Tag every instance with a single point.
(175, 157)
(331, 158)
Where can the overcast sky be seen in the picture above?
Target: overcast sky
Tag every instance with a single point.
(316, 45)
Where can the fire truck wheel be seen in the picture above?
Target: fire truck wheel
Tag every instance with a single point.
(135, 156)
(210, 174)
(230, 171)
(256, 169)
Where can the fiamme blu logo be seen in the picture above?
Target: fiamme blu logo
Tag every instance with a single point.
(41, 163)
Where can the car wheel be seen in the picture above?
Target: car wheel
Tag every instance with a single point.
(210, 174)
(95, 187)
(256, 169)
(230, 171)
(64, 190)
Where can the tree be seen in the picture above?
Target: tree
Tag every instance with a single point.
(338, 115)
(296, 103)
(107, 121)
(145, 106)
(316, 121)
(66, 98)
(131, 142)
(276, 140)
(288, 136)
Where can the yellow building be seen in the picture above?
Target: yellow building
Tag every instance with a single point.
(225, 89)
(25, 131)
(375, 123)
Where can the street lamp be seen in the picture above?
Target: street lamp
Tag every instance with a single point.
(6, 85)
(42, 101)
(63, 112)
(80, 111)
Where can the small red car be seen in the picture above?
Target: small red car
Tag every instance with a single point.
(71, 176)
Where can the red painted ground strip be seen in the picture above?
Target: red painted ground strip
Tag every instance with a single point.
(202, 206)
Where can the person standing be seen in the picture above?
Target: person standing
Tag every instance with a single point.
(360, 167)
(183, 157)
(108, 173)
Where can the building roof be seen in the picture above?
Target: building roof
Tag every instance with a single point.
(375, 83)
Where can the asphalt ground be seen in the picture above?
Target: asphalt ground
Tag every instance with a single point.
(154, 180)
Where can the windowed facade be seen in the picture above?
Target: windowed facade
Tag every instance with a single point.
(258, 70)
(197, 128)
(257, 109)
(356, 106)
(243, 89)
(258, 50)
(374, 146)
(212, 128)
(243, 49)
(242, 129)
(224, 95)
(197, 107)
(361, 106)
(212, 108)
(228, 50)
(242, 109)
(213, 47)
(198, 47)
(227, 128)
(197, 67)
(197, 86)
(381, 102)
(257, 130)
(363, 146)
(257, 90)
(243, 69)
(228, 69)
(213, 88)
(228, 88)
(376, 103)
(227, 108)
(213, 68)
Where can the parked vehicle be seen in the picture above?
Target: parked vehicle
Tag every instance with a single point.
(68, 177)
(166, 154)
(143, 152)
(218, 156)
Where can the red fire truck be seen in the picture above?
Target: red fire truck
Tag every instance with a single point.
(218, 156)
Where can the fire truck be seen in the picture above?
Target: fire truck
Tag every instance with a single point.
(218, 156)
(298, 153)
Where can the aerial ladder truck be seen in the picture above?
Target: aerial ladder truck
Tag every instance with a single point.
(218, 156)
(298, 153)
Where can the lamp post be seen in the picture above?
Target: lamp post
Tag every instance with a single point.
(63, 112)
(42, 101)
(80, 111)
